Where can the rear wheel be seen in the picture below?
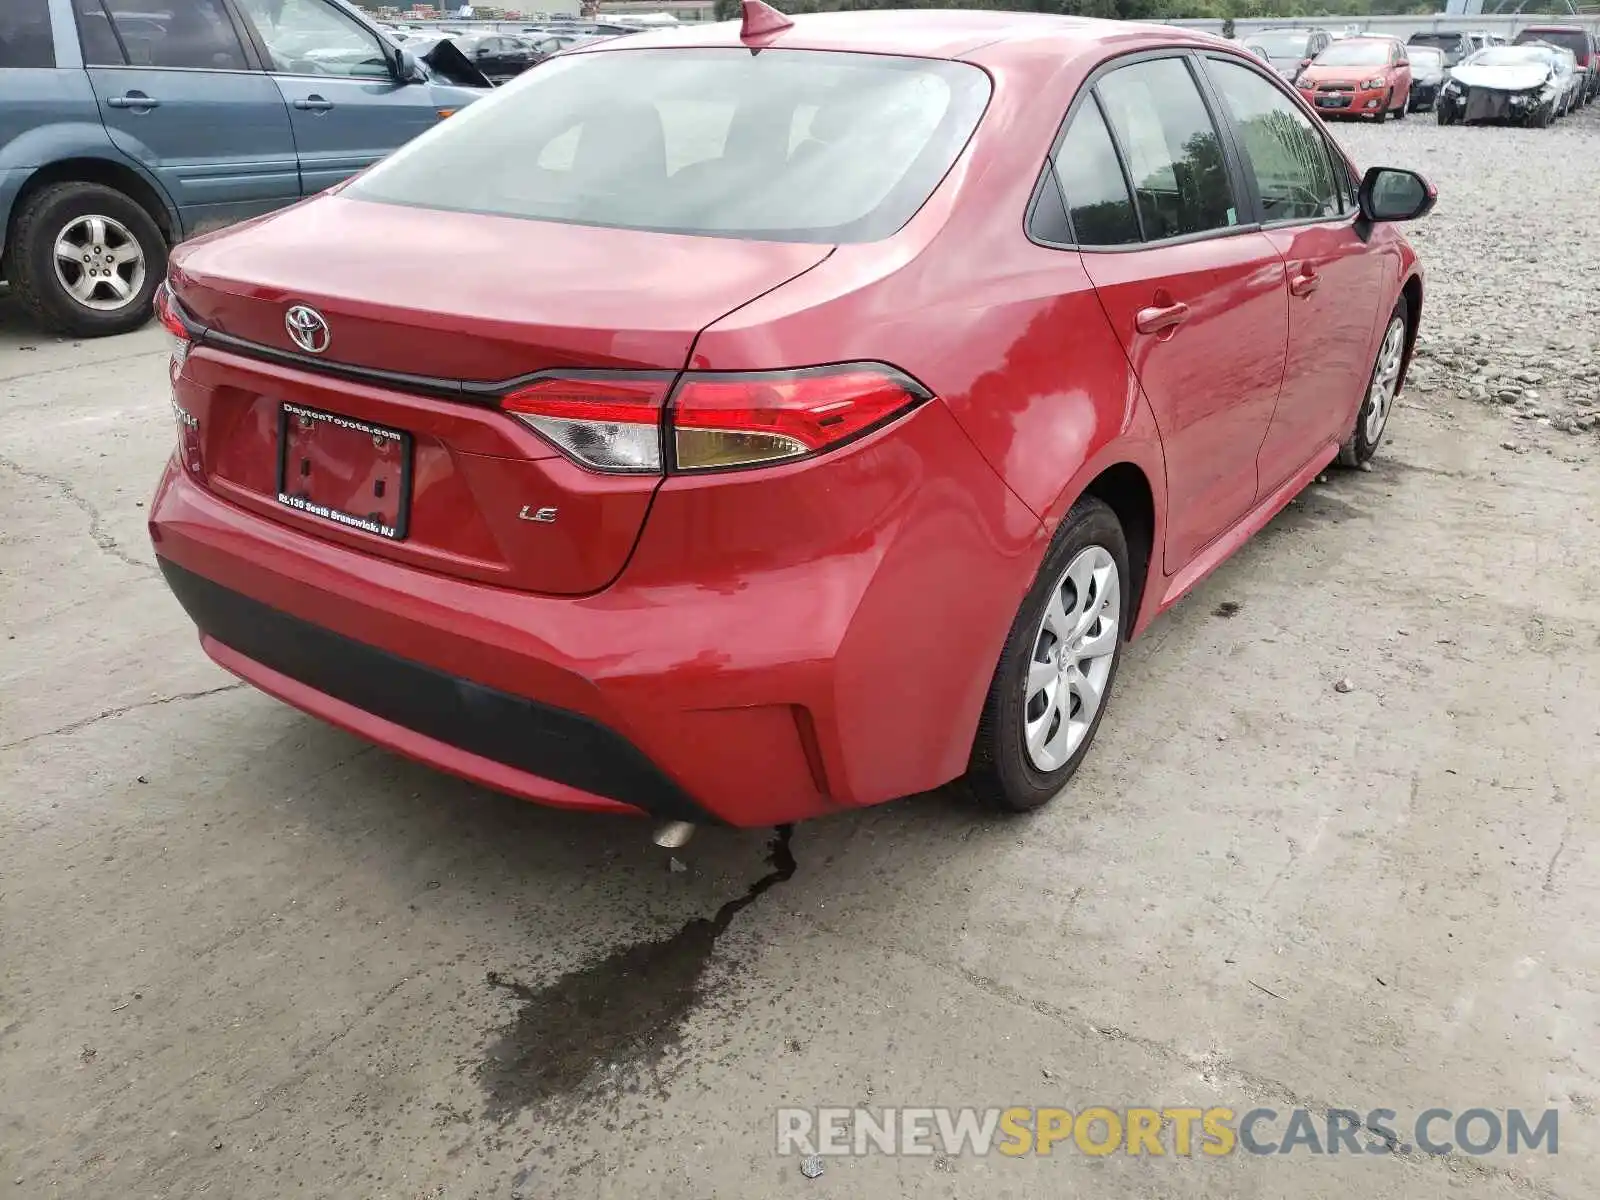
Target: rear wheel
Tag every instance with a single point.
(1383, 385)
(1055, 673)
(86, 259)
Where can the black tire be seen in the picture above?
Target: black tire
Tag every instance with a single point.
(32, 269)
(1000, 772)
(1444, 114)
(1540, 117)
(1360, 446)
(1402, 108)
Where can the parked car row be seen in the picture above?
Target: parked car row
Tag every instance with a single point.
(1547, 73)
(128, 127)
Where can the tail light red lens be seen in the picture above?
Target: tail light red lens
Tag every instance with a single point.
(167, 314)
(715, 421)
(722, 421)
(610, 423)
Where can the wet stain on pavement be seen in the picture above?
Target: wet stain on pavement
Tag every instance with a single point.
(1228, 608)
(622, 1011)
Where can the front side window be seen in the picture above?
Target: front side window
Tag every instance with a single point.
(25, 39)
(1174, 155)
(1092, 183)
(785, 145)
(308, 37)
(190, 34)
(1282, 148)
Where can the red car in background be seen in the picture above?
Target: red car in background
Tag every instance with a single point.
(813, 427)
(1359, 77)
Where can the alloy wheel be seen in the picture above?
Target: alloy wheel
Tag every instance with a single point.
(99, 263)
(1074, 648)
(1385, 380)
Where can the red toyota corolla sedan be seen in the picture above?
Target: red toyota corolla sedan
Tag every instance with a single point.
(746, 423)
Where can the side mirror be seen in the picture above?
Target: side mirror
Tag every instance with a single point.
(406, 67)
(1395, 194)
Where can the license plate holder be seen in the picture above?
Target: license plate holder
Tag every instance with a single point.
(1331, 101)
(343, 470)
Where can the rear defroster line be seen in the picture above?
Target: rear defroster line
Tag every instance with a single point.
(616, 1015)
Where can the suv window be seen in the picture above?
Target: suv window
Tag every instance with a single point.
(192, 34)
(25, 39)
(1174, 155)
(1092, 183)
(1283, 149)
(308, 37)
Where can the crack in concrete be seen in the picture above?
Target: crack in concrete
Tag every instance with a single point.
(85, 722)
(1215, 1069)
(84, 366)
(1550, 871)
(97, 531)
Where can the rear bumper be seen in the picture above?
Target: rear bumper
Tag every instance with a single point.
(836, 653)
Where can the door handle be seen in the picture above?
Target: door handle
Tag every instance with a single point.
(1154, 320)
(133, 100)
(313, 103)
(1304, 283)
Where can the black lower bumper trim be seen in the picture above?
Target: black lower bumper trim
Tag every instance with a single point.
(552, 743)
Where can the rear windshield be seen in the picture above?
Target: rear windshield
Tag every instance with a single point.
(784, 145)
(1570, 39)
(1282, 45)
(1445, 41)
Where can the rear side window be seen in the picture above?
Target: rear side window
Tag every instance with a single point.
(194, 34)
(785, 145)
(1092, 182)
(1285, 153)
(25, 39)
(1174, 155)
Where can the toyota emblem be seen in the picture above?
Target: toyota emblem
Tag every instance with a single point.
(307, 329)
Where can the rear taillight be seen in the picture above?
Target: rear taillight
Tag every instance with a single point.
(167, 313)
(610, 423)
(713, 420)
(721, 421)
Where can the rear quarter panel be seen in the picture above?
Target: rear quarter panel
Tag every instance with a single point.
(47, 117)
(1012, 339)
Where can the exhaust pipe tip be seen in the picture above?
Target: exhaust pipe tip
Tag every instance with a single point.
(673, 834)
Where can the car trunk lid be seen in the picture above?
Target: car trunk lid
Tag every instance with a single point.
(382, 432)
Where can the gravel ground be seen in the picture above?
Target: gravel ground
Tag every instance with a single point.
(1336, 845)
(1512, 316)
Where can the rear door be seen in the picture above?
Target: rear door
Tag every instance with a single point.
(179, 92)
(336, 74)
(1333, 280)
(1197, 298)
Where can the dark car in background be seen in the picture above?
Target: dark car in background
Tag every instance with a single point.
(1454, 43)
(1583, 43)
(129, 125)
(499, 58)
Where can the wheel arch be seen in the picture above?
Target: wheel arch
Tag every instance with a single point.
(1125, 489)
(108, 173)
(1411, 293)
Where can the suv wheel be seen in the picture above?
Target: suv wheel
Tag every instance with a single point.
(86, 259)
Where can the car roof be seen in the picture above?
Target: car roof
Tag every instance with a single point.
(923, 33)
